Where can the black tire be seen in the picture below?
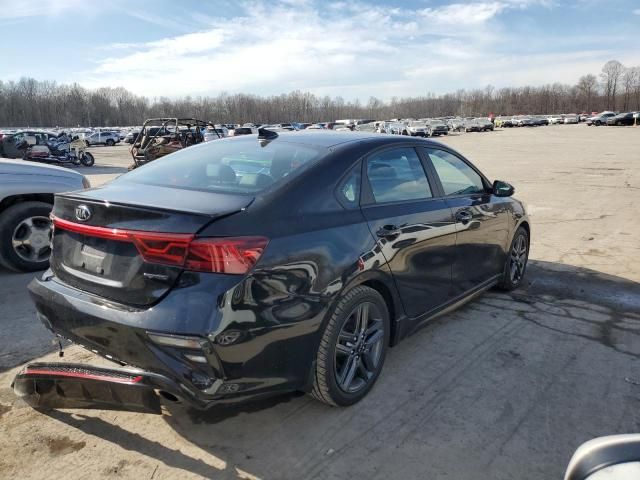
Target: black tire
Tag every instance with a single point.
(326, 385)
(110, 143)
(86, 144)
(597, 123)
(87, 159)
(10, 220)
(508, 281)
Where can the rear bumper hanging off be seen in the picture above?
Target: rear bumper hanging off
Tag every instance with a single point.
(73, 385)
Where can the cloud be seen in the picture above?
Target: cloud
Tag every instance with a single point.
(34, 8)
(636, 11)
(464, 14)
(346, 48)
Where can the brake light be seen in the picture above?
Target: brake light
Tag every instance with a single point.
(164, 248)
(232, 255)
(225, 255)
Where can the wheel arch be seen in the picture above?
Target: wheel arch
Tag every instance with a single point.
(525, 224)
(26, 197)
(383, 284)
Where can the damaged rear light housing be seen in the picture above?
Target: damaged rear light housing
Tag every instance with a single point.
(230, 255)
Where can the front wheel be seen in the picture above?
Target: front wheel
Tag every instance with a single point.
(516, 263)
(87, 159)
(352, 349)
(110, 143)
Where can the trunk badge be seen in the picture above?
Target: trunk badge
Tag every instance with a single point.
(83, 213)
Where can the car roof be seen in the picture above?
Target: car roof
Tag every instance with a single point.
(17, 167)
(331, 138)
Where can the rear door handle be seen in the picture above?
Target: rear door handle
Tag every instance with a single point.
(388, 231)
(464, 216)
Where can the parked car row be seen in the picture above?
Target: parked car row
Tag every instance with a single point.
(597, 119)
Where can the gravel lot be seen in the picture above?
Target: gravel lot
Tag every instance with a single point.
(505, 388)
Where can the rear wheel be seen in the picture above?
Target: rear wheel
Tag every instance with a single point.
(516, 263)
(110, 143)
(25, 236)
(352, 349)
(87, 159)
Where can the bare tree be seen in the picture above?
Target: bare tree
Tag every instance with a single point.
(610, 75)
(588, 86)
(629, 81)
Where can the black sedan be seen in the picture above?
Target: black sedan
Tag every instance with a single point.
(258, 265)
(627, 118)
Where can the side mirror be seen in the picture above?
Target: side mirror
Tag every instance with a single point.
(502, 189)
(616, 457)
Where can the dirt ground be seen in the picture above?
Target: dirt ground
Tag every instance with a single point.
(506, 387)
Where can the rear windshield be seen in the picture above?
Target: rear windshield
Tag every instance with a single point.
(238, 165)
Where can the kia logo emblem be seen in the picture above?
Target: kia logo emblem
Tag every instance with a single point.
(83, 213)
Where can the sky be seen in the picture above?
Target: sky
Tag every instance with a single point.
(353, 48)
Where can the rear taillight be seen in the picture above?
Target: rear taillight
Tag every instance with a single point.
(232, 255)
(164, 248)
(225, 255)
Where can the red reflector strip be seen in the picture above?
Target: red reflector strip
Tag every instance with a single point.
(101, 232)
(155, 247)
(87, 376)
(230, 255)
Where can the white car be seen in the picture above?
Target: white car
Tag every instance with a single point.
(571, 118)
(215, 133)
(418, 129)
(555, 119)
(102, 138)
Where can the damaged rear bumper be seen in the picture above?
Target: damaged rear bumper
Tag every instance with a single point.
(74, 385)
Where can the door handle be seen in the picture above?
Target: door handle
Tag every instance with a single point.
(388, 231)
(464, 216)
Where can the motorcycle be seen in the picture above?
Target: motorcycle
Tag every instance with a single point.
(60, 151)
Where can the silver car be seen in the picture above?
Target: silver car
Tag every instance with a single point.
(26, 198)
(102, 138)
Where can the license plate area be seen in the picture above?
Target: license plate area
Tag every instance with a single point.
(93, 259)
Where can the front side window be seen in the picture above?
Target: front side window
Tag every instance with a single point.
(456, 176)
(397, 175)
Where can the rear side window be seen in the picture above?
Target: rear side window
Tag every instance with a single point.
(397, 175)
(456, 176)
(349, 189)
(239, 165)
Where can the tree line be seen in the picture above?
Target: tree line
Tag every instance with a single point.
(33, 103)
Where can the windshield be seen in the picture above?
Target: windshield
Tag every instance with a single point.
(416, 124)
(239, 165)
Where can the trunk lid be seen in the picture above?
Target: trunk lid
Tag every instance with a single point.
(90, 252)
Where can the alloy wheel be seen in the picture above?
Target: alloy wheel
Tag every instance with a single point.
(359, 347)
(31, 239)
(518, 260)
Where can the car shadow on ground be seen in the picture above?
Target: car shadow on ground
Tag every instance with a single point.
(505, 387)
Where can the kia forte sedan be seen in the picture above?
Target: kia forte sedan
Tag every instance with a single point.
(263, 264)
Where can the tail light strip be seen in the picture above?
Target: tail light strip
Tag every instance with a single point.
(232, 255)
(82, 375)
